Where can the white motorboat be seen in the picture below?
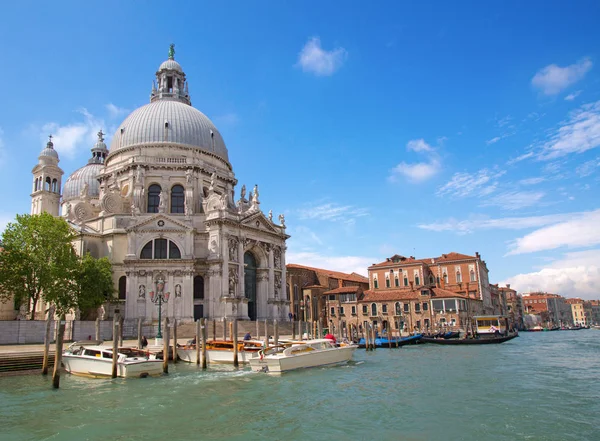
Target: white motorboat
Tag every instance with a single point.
(221, 351)
(298, 355)
(96, 361)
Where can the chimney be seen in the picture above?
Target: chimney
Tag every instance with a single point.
(411, 285)
(477, 254)
(508, 286)
(340, 283)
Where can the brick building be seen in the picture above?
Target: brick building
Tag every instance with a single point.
(514, 306)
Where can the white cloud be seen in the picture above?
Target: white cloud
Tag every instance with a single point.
(466, 184)
(588, 168)
(115, 111)
(417, 172)
(579, 231)
(419, 145)
(552, 79)
(312, 58)
(514, 200)
(493, 140)
(228, 119)
(520, 158)
(333, 212)
(577, 135)
(572, 96)
(577, 274)
(70, 138)
(507, 223)
(344, 264)
(531, 181)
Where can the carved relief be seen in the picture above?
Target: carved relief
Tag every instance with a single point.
(233, 280)
(82, 211)
(277, 284)
(142, 292)
(233, 249)
(111, 203)
(177, 290)
(277, 257)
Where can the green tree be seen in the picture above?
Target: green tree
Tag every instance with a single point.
(93, 282)
(39, 262)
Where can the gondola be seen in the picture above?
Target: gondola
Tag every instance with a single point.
(469, 341)
(382, 342)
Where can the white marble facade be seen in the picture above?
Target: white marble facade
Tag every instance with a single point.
(161, 205)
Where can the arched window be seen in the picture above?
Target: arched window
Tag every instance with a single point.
(373, 309)
(48, 184)
(160, 249)
(417, 280)
(431, 280)
(177, 198)
(153, 198)
(472, 273)
(35, 185)
(458, 277)
(445, 276)
(405, 279)
(198, 287)
(122, 287)
(398, 308)
(54, 185)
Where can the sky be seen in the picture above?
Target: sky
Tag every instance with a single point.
(411, 128)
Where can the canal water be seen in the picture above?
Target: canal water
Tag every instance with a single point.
(540, 386)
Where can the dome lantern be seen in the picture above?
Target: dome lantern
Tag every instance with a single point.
(171, 81)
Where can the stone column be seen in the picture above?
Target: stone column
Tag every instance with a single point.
(240, 251)
(271, 289)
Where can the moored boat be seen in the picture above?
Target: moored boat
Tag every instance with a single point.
(96, 361)
(221, 351)
(299, 355)
(382, 342)
(470, 341)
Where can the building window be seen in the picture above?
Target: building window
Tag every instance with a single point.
(365, 309)
(445, 276)
(122, 287)
(417, 307)
(354, 310)
(160, 249)
(405, 280)
(396, 281)
(407, 307)
(153, 198)
(341, 310)
(375, 284)
(373, 309)
(431, 280)
(458, 277)
(472, 275)
(398, 308)
(177, 199)
(332, 311)
(425, 306)
(384, 309)
(198, 287)
(426, 323)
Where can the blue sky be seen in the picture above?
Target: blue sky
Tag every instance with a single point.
(416, 128)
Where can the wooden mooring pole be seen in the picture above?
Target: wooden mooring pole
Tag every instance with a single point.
(266, 333)
(115, 346)
(60, 333)
(47, 343)
(257, 330)
(98, 328)
(174, 340)
(198, 341)
(234, 335)
(276, 332)
(139, 333)
(204, 361)
(166, 346)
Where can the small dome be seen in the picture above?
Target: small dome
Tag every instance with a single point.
(171, 65)
(49, 151)
(166, 121)
(75, 183)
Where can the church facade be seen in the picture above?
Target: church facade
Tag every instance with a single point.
(160, 204)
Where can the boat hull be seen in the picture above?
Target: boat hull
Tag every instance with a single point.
(102, 367)
(469, 341)
(215, 356)
(311, 359)
(385, 343)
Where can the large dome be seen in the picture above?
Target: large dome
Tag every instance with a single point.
(85, 175)
(167, 121)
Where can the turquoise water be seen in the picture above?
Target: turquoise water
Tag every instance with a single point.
(540, 386)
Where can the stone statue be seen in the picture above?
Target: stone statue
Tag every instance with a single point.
(243, 193)
(171, 51)
(142, 292)
(189, 202)
(282, 220)
(271, 215)
(177, 290)
(255, 195)
(233, 247)
(139, 172)
(162, 201)
(67, 209)
(213, 180)
(189, 174)
(101, 312)
(84, 190)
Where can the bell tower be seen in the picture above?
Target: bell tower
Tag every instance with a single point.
(46, 182)
(171, 81)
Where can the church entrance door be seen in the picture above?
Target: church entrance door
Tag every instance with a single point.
(250, 283)
(198, 312)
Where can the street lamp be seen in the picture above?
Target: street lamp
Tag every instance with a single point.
(159, 298)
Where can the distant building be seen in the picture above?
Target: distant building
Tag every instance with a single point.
(551, 309)
(514, 306)
(578, 312)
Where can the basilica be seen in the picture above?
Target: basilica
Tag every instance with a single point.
(160, 204)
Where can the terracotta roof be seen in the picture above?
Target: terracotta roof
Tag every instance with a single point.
(390, 295)
(449, 257)
(441, 292)
(314, 287)
(333, 274)
(344, 290)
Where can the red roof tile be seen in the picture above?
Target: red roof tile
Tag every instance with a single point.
(353, 277)
(449, 257)
(344, 290)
